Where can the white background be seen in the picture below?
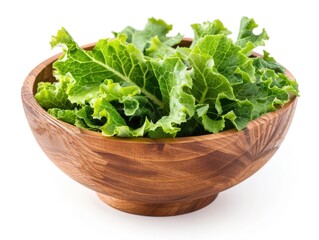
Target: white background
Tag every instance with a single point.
(38, 201)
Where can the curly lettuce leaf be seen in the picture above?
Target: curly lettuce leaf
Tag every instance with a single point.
(65, 115)
(215, 61)
(208, 83)
(222, 73)
(208, 28)
(154, 27)
(158, 49)
(224, 57)
(174, 80)
(235, 112)
(124, 94)
(110, 59)
(54, 95)
(85, 119)
(129, 95)
(267, 62)
(246, 39)
(269, 91)
(115, 123)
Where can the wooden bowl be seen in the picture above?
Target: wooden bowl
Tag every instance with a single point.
(156, 177)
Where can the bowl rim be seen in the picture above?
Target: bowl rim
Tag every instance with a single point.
(27, 96)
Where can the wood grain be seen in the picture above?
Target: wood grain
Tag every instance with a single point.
(154, 177)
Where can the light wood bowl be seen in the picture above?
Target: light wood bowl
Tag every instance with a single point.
(156, 177)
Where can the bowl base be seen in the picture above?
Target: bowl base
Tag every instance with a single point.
(157, 209)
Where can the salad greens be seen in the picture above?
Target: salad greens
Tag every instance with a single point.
(142, 84)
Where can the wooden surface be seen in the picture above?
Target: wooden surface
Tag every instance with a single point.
(154, 177)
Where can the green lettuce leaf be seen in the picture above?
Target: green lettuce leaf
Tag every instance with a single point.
(237, 112)
(158, 49)
(246, 39)
(110, 59)
(174, 81)
(124, 94)
(267, 62)
(268, 92)
(115, 124)
(219, 68)
(220, 54)
(53, 95)
(65, 115)
(208, 28)
(154, 27)
(85, 119)
(133, 103)
(226, 114)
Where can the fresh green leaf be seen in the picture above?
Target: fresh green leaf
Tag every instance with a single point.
(85, 115)
(65, 115)
(209, 118)
(267, 62)
(246, 39)
(115, 91)
(158, 49)
(115, 124)
(219, 53)
(134, 104)
(174, 80)
(124, 94)
(269, 91)
(53, 95)
(208, 83)
(172, 41)
(128, 31)
(183, 53)
(208, 28)
(154, 27)
(110, 59)
(238, 112)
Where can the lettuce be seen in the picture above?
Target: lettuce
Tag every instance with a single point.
(142, 84)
